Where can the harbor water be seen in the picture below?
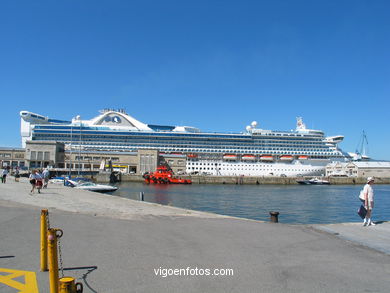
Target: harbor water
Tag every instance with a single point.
(297, 204)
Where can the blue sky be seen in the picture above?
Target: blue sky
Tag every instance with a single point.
(216, 65)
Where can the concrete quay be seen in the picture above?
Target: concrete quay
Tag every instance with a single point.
(209, 179)
(117, 245)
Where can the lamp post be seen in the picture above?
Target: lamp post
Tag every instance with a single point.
(70, 156)
(79, 165)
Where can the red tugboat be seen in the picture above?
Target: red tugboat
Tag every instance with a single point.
(163, 175)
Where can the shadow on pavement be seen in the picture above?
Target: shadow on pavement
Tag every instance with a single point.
(89, 269)
(380, 222)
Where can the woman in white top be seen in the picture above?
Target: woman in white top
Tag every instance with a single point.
(34, 177)
(38, 181)
(368, 193)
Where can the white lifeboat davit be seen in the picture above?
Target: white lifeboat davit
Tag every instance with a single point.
(268, 158)
(230, 157)
(286, 158)
(248, 158)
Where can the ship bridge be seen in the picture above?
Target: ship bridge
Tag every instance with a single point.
(335, 139)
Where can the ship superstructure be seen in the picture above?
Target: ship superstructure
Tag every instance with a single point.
(255, 152)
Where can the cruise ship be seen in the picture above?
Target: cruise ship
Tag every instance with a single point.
(254, 152)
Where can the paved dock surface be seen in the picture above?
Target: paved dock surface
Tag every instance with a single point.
(376, 237)
(116, 245)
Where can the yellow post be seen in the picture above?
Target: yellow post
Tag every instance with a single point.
(68, 285)
(53, 259)
(44, 215)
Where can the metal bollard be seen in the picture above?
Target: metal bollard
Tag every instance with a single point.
(44, 215)
(274, 217)
(53, 258)
(68, 285)
(141, 196)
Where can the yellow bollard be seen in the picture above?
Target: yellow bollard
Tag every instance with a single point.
(44, 215)
(53, 258)
(68, 285)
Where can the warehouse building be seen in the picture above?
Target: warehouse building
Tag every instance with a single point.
(380, 169)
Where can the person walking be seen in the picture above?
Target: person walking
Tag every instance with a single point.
(45, 175)
(368, 200)
(38, 180)
(4, 174)
(33, 181)
(17, 174)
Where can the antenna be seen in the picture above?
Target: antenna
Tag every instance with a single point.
(300, 124)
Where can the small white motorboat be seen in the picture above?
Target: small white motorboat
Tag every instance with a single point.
(57, 180)
(317, 181)
(74, 181)
(314, 181)
(93, 186)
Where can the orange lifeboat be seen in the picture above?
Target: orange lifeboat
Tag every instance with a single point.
(248, 158)
(163, 175)
(303, 157)
(230, 157)
(286, 158)
(192, 155)
(268, 158)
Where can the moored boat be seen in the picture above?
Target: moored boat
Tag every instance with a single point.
(301, 151)
(57, 180)
(164, 176)
(314, 181)
(90, 186)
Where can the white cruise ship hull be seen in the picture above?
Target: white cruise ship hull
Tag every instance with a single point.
(293, 169)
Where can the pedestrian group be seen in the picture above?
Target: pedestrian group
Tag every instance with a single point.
(39, 180)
